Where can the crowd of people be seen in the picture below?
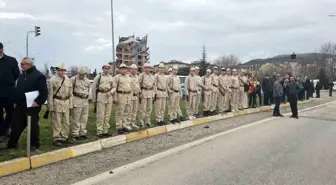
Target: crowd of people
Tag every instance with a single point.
(220, 91)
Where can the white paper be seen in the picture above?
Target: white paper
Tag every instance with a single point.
(30, 98)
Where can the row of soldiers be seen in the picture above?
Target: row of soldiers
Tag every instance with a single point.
(133, 95)
(224, 89)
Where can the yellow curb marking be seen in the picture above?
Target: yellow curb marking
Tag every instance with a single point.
(136, 136)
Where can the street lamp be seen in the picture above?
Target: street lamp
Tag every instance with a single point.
(112, 29)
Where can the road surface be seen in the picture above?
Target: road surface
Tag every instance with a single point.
(281, 151)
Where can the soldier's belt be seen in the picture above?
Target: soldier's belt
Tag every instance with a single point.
(161, 89)
(192, 90)
(135, 94)
(104, 91)
(80, 95)
(147, 88)
(176, 91)
(61, 98)
(215, 85)
(123, 92)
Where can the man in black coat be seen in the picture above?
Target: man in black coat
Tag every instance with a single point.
(293, 90)
(30, 80)
(9, 72)
(267, 88)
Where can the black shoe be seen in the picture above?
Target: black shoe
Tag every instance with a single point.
(205, 113)
(120, 131)
(171, 121)
(100, 136)
(107, 135)
(163, 123)
(84, 138)
(158, 123)
(58, 143)
(178, 120)
(181, 119)
(297, 117)
(280, 115)
(2, 139)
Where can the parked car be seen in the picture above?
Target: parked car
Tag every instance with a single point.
(183, 96)
(334, 88)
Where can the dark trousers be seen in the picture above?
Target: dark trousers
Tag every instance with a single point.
(252, 99)
(258, 93)
(293, 104)
(330, 91)
(301, 95)
(19, 123)
(277, 101)
(271, 98)
(267, 98)
(317, 93)
(283, 99)
(307, 95)
(7, 105)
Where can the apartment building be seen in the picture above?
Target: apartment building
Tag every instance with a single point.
(132, 50)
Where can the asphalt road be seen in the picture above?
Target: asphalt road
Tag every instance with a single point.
(83, 167)
(281, 151)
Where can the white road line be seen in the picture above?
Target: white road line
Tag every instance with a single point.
(143, 162)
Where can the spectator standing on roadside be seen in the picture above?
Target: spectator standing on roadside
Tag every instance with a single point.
(30, 80)
(285, 82)
(266, 86)
(9, 73)
(331, 85)
(294, 88)
(277, 95)
(318, 87)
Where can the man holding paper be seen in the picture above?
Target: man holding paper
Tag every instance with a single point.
(30, 93)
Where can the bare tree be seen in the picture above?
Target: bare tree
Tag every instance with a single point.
(73, 71)
(227, 61)
(329, 55)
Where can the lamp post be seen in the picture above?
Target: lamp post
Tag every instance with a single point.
(112, 32)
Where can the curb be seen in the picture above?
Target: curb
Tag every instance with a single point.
(22, 164)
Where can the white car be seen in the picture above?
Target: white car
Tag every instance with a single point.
(334, 88)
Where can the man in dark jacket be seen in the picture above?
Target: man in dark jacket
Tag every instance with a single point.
(331, 88)
(277, 95)
(9, 72)
(318, 87)
(294, 88)
(30, 80)
(267, 88)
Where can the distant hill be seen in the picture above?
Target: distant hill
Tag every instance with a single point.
(304, 58)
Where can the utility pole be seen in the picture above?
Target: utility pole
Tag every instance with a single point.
(37, 32)
(113, 49)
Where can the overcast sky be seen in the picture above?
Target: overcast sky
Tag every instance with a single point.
(78, 32)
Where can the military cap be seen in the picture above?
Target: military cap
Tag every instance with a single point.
(106, 65)
(197, 68)
(133, 66)
(61, 66)
(123, 66)
(208, 70)
(82, 71)
(175, 67)
(170, 69)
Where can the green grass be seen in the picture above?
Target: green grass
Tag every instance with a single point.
(46, 138)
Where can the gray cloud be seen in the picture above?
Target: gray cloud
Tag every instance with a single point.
(78, 32)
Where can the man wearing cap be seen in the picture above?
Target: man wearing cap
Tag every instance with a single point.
(198, 103)
(30, 80)
(103, 89)
(60, 101)
(221, 88)
(192, 89)
(9, 73)
(135, 97)
(227, 85)
(161, 93)
(242, 98)
(123, 99)
(170, 70)
(80, 111)
(175, 93)
(215, 91)
(207, 82)
(146, 96)
(235, 91)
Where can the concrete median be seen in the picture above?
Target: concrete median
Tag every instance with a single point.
(50, 157)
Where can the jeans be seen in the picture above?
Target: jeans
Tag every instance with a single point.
(276, 110)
